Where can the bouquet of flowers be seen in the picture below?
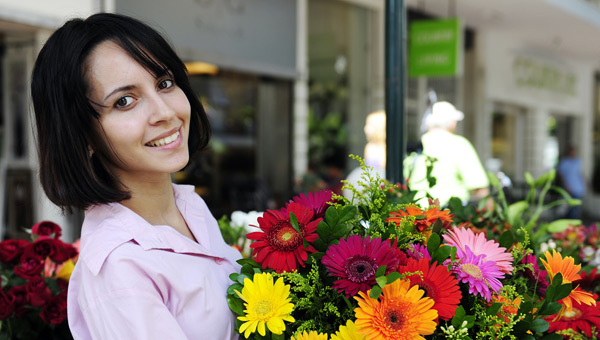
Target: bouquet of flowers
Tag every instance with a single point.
(379, 266)
(34, 280)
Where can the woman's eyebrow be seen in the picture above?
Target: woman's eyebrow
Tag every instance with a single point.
(119, 89)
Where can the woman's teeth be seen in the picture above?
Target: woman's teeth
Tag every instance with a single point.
(164, 141)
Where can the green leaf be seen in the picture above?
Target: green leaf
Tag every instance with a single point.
(526, 307)
(550, 293)
(494, 182)
(563, 291)
(235, 304)
(551, 308)
(235, 286)
(250, 262)
(516, 210)
(437, 226)
(542, 180)
(557, 280)
(331, 216)
(529, 179)
(324, 231)
(393, 276)
(527, 337)
(233, 276)
(375, 292)
(294, 223)
(278, 336)
(559, 226)
(453, 254)
(242, 277)
(459, 315)
(433, 244)
(470, 321)
(493, 309)
(552, 336)
(320, 245)
(442, 253)
(507, 239)
(348, 212)
(381, 271)
(522, 326)
(539, 325)
(381, 281)
(339, 231)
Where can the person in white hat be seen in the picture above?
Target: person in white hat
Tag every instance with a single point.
(457, 169)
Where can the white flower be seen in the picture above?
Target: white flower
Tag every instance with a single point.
(245, 220)
(544, 247)
(588, 253)
(595, 261)
(365, 224)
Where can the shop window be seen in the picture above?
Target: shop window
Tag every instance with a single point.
(239, 170)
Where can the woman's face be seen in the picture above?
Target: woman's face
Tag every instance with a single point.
(145, 119)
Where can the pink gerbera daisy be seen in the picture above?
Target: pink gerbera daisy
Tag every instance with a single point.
(355, 261)
(317, 201)
(479, 245)
(481, 275)
(279, 246)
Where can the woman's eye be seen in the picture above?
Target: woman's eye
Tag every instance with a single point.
(165, 84)
(123, 102)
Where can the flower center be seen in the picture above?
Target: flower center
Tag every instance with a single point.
(284, 237)
(572, 314)
(394, 319)
(429, 291)
(360, 268)
(263, 308)
(472, 270)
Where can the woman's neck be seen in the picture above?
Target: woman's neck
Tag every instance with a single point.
(153, 199)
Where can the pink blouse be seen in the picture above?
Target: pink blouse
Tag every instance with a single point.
(135, 280)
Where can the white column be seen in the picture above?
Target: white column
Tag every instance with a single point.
(300, 111)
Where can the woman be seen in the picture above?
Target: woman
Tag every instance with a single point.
(115, 117)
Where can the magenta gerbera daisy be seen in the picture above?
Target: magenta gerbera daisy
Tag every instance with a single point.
(537, 276)
(355, 261)
(417, 251)
(479, 245)
(482, 276)
(279, 246)
(437, 282)
(317, 201)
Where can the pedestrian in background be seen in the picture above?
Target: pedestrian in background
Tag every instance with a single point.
(571, 179)
(115, 117)
(457, 169)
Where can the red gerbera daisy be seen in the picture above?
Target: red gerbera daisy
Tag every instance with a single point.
(581, 318)
(437, 282)
(355, 261)
(589, 281)
(279, 246)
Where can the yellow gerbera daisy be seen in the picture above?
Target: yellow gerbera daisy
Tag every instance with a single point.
(348, 332)
(313, 335)
(266, 304)
(402, 313)
(555, 264)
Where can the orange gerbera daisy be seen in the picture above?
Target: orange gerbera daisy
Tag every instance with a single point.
(508, 307)
(423, 218)
(555, 264)
(401, 313)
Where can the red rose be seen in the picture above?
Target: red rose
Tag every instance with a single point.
(21, 299)
(55, 311)
(63, 252)
(38, 292)
(43, 247)
(46, 228)
(29, 266)
(11, 250)
(7, 304)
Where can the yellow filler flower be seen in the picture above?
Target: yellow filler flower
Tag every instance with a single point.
(267, 304)
(555, 264)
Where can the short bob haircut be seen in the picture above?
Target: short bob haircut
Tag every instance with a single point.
(66, 120)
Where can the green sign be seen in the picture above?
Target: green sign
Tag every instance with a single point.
(434, 48)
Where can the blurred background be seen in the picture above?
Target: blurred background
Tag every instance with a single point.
(288, 84)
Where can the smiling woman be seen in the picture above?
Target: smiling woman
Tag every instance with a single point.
(115, 117)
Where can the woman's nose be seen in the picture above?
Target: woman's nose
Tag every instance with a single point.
(161, 109)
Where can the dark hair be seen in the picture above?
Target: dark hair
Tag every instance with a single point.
(66, 118)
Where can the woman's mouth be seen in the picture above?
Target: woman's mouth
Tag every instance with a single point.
(164, 141)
